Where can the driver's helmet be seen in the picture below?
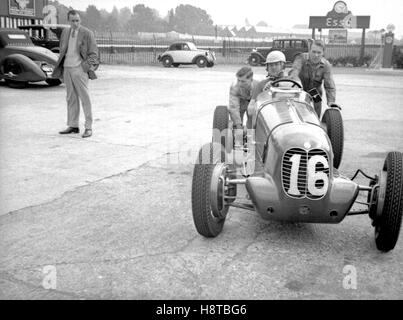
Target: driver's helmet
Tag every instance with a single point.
(275, 56)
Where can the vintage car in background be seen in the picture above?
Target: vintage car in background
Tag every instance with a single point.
(47, 36)
(186, 53)
(286, 167)
(290, 47)
(22, 62)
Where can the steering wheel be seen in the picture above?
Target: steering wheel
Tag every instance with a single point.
(295, 83)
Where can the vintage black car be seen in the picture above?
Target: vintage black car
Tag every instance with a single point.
(288, 169)
(47, 36)
(22, 62)
(290, 47)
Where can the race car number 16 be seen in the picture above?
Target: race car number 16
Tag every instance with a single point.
(314, 178)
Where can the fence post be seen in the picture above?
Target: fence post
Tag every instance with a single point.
(362, 51)
(155, 49)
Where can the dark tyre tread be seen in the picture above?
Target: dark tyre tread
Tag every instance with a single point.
(220, 124)
(335, 130)
(388, 227)
(206, 224)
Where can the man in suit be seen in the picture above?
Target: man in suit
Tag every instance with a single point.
(76, 65)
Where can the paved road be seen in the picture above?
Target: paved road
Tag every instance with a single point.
(110, 216)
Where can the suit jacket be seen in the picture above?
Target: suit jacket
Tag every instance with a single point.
(87, 48)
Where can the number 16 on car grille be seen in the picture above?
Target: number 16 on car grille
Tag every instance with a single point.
(305, 174)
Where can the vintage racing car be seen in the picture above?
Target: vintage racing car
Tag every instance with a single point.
(22, 62)
(186, 53)
(287, 164)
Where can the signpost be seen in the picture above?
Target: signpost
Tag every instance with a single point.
(341, 18)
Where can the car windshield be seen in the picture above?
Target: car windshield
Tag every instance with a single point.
(192, 46)
(16, 39)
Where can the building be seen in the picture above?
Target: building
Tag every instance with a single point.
(15, 13)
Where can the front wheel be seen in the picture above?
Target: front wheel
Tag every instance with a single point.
(335, 130)
(390, 203)
(176, 65)
(201, 62)
(210, 64)
(209, 192)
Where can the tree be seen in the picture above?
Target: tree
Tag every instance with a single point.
(193, 20)
(92, 18)
(124, 16)
(112, 20)
(145, 19)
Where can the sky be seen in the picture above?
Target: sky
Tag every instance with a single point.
(278, 13)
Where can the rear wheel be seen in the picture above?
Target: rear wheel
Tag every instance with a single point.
(335, 130)
(167, 61)
(254, 60)
(221, 132)
(390, 203)
(209, 203)
(201, 62)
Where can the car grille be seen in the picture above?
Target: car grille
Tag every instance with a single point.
(300, 189)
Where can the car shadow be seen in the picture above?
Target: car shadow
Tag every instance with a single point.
(32, 86)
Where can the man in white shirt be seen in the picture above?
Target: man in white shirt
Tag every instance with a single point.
(77, 62)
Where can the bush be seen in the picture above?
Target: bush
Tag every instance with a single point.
(350, 61)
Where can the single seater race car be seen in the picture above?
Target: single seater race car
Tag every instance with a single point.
(22, 62)
(186, 53)
(287, 163)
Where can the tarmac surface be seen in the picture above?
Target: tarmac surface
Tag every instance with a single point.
(110, 217)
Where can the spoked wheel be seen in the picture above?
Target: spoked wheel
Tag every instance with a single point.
(335, 130)
(221, 132)
(210, 194)
(389, 203)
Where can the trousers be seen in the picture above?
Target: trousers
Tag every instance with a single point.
(76, 81)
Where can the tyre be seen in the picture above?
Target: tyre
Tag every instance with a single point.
(16, 84)
(167, 61)
(254, 60)
(53, 82)
(201, 62)
(210, 64)
(335, 130)
(208, 206)
(176, 65)
(390, 203)
(221, 132)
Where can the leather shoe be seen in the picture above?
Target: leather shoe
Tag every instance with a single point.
(87, 133)
(70, 130)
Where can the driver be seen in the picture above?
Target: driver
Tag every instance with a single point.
(275, 65)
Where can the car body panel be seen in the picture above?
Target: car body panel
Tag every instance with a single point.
(21, 61)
